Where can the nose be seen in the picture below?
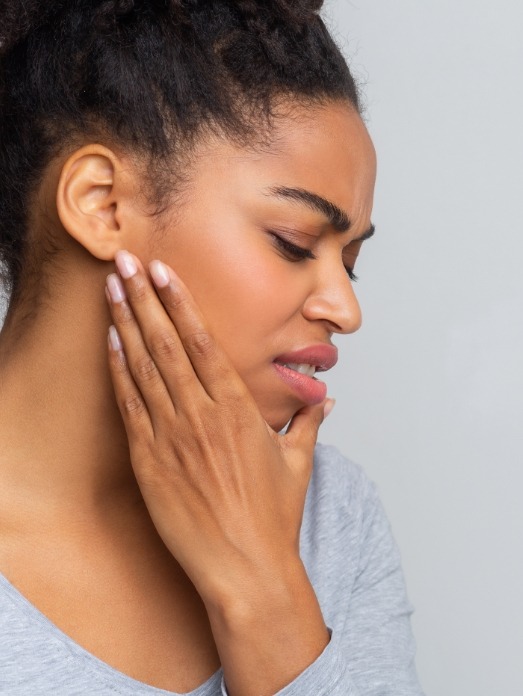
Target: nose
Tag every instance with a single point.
(333, 300)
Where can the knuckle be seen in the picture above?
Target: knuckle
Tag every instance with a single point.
(243, 395)
(174, 301)
(164, 345)
(119, 363)
(200, 343)
(145, 369)
(125, 314)
(236, 398)
(137, 290)
(132, 405)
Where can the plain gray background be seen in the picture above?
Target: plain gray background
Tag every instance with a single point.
(430, 391)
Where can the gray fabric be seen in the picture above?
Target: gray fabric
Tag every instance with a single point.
(354, 566)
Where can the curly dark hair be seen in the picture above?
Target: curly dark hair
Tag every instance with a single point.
(149, 75)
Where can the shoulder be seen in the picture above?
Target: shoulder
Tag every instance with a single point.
(344, 523)
(354, 565)
(340, 505)
(340, 480)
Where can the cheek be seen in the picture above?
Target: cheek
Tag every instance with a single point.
(247, 301)
(247, 293)
(251, 306)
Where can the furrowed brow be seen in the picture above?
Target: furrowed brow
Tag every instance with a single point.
(336, 218)
(366, 235)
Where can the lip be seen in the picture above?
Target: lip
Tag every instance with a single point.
(322, 356)
(309, 389)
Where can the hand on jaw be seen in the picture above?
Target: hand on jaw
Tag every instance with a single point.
(224, 491)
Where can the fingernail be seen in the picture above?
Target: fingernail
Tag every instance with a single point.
(126, 264)
(114, 339)
(159, 274)
(115, 288)
(329, 405)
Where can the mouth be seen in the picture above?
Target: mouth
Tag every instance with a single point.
(298, 368)
(308, 361)
(301, 368)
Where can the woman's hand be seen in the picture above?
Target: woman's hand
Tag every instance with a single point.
(225, 492)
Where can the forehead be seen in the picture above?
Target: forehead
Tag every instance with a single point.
(324, 149)
(328, 149)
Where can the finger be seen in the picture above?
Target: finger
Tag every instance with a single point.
(210, 362)
(158, 332)
(140, 365)
(329, 405)
(130, 402)
(302, 433)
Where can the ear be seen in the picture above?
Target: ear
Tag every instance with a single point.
(92, 192)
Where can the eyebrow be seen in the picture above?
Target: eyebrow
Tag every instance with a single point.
(336, 217)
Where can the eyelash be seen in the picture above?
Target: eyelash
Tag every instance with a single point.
(300, 254)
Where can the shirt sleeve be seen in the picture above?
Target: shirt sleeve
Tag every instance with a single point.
(372, 651)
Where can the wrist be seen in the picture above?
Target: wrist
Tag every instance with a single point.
(266, 595)
(235, 593)
(270, 628)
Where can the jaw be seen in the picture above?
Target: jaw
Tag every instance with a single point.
(276, 405)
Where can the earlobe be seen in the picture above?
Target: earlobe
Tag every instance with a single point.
(88, 200)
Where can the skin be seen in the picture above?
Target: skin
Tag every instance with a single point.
(81, 477)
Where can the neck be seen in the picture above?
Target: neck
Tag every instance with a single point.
(62, 438)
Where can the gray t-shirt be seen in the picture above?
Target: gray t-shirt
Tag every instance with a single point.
(355, 569)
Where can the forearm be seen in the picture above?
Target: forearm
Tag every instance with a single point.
(267, 631)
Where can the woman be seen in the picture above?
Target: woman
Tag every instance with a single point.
(159, 534)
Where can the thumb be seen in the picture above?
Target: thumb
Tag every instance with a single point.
(302, 432)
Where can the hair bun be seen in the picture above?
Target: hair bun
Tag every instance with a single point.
(300, 11)
(305, 8)
(18, 19)
(109, 13)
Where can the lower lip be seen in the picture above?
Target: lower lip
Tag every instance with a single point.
(310, 391)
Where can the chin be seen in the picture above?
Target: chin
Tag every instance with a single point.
(277, 419)
(277, 412)
(278, 427)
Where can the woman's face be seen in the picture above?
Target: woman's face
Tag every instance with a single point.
(233, 243)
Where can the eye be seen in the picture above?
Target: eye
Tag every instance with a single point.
(291, 251)
(297, 253)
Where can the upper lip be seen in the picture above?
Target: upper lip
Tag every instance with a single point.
(323, 356)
